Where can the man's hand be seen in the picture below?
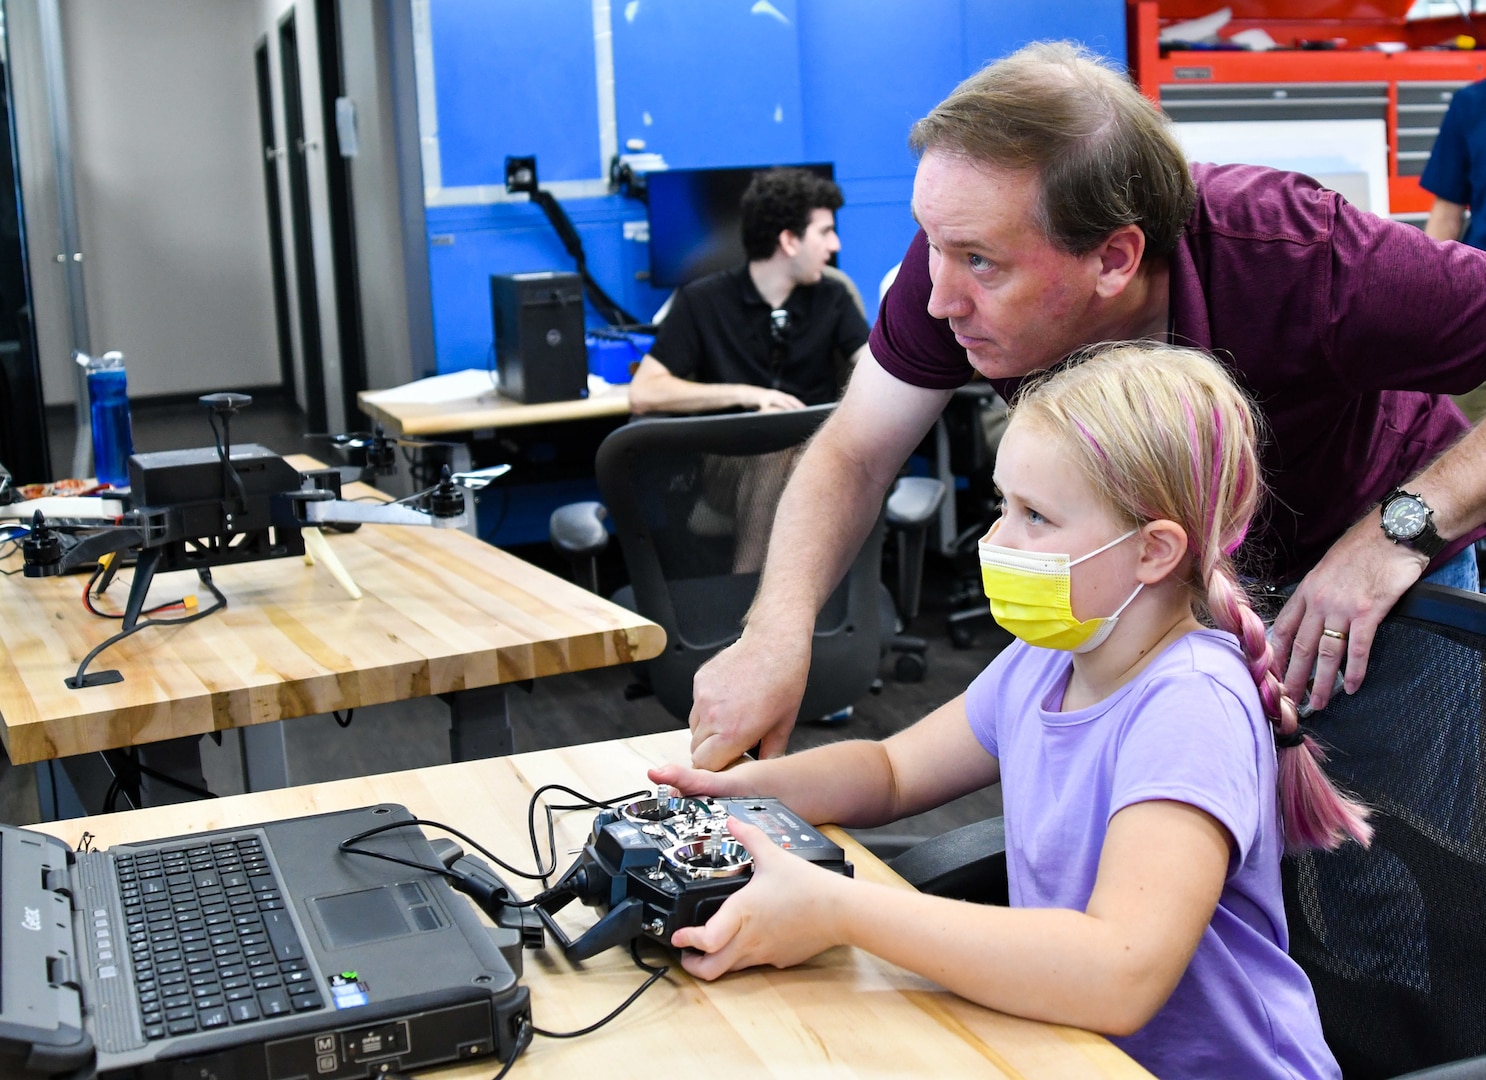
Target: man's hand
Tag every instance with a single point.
(762, 399)
(783, 916)
(1333, 616)
(748, 693)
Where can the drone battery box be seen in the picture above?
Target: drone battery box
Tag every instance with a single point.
(539, 345)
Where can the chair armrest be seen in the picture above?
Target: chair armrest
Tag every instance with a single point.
(968, 863)
(913, 501)
(577, 529)
(1466, 1069)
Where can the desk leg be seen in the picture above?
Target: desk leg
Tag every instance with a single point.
(480, 724)
(179, 759)
(265, 759)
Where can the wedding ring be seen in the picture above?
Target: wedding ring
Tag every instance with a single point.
(1340, 635)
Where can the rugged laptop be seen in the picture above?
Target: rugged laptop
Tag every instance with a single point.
(257, 953)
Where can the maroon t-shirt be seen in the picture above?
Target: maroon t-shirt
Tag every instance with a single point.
(1345, 327)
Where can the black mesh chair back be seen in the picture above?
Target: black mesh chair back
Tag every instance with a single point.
(692, 501)
(1394, 937)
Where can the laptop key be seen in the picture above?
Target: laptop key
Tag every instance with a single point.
(282, 936)
(243, 1010)
(273, 1002)
(306, 1002)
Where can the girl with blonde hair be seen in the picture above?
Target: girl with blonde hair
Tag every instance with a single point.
(1151, 767)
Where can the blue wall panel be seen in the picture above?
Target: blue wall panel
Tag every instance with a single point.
(867, 72)
(994, 28)
(515, 78)
(469, 243)
(723, 82)
(705, 84)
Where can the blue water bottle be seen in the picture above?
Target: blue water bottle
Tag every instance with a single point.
(113, 441)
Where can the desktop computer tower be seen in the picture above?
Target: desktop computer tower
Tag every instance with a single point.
(539, 346)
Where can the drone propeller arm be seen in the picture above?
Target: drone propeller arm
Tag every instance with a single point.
(341, 512)
(92, 548)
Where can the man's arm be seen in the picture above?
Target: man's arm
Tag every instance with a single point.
(1446, 219)
(655, 389)
(1357, 582)
(751, 691)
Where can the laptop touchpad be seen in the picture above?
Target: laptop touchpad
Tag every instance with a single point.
(355, 918)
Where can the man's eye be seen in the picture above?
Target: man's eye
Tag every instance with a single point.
(978, 263)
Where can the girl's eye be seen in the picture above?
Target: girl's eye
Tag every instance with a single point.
(1033, 517)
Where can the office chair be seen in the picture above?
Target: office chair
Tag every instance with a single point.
(678, 492)
(1393, 937)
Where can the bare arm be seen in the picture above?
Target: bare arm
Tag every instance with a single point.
(655, 389)
(751, 691)
(1109, 968)
(858, 783)
(1446, 219)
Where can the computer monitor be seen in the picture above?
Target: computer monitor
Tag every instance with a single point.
(695, 225)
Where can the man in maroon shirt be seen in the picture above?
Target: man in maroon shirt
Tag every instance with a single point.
(1057, 211)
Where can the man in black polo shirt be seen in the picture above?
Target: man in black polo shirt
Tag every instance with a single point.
(766, 334)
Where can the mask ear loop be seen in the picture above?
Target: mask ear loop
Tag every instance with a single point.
(1101, 551)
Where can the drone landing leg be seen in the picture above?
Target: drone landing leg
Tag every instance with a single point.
(144, 573)
(316, 547)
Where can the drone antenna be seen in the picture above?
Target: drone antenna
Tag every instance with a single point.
(225, 406)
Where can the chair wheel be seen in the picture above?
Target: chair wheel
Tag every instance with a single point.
(910, 668)
(959, 637)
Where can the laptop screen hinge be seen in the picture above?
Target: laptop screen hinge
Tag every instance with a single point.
(61, 971)
(55, 879)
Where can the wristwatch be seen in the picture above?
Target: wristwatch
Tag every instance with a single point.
(1407, 519)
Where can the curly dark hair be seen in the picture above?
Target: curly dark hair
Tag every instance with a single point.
(780, 199)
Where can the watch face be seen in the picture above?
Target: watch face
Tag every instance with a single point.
(1405, 518)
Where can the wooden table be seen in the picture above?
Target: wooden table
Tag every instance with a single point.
(845, 1014)
(483, 411)
(442, 613)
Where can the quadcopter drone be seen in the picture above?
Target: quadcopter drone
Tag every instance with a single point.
(207, 507)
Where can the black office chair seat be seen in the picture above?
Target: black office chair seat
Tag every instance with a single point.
(691, 500)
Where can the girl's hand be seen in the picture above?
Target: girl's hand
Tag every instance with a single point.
(783, 917)
(689, 781)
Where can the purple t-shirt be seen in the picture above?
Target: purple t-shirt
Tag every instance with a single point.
(1345, 327)
(1188, 728)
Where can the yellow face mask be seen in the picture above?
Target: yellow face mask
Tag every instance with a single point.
(1030, 594)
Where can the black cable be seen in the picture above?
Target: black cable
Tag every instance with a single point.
(588, 803)
(347, 721)
(603, 303)
(178, 784)
(540, 874)
(523, 1040)
(206, 579)
(656, 974)
(224, 454)
(136, 770)
(88, 603)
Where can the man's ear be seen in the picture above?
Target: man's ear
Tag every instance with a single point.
(1119, 259)
(1163, 547)
(789, 243)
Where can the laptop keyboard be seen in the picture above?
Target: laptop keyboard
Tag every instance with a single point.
(211, 940)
